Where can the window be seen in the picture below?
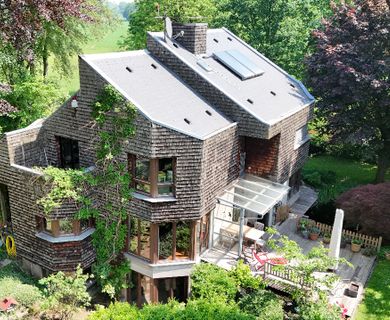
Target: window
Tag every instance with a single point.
(154, 177)
(68, 153)
(62, 227)
(5, 213)
(301, 136)
(175, 241)
(140, 237)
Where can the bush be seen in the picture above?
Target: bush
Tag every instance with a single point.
(367, 209)
(319, 311)
(263, 304)
(171, 311)
(25, 294)
(117, 311)
(211, 282)
(243, 277)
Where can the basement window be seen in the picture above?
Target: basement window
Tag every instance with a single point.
(153, 177)
(301, 137)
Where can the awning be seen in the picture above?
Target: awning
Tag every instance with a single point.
(254, 194)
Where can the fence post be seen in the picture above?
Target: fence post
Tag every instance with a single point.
(379, 243)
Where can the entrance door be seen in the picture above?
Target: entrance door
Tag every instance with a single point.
(5, 213)
(68, 153)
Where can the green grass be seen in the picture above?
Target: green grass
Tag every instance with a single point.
(376, 303)
(349, 174)
(109, 43)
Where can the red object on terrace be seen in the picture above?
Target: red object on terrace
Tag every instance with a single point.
(263, 258)
(7, 304)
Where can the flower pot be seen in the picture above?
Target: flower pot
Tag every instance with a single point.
(355, 247)
(314, 236)
(387, 255)
(326, 240)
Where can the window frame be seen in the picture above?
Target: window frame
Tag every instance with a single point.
(305, 138)
(55, 231)
(153, 182)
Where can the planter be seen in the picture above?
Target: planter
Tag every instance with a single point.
(314, 236)
(387, 255)
(355, 247)
(305, 234)
(352, 291)
(326, 238)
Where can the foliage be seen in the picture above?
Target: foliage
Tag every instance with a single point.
(65, 294)
(144, 19)
(349, 74)
(194, 310)
(320, 310)
(306, 265)
(114, 117)
(212, 283)
(367, 207)
(34, 98)
(376, 303)
(278, 29)
(63, 185)
(243, 277)
(25, 294)
(35, 29)
(263, 304)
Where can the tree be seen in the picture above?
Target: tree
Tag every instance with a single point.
(34, 29)
(349, 74)
(144, 18)
(278, 29)
(367, 208)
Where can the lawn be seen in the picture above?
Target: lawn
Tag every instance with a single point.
(347, 174)
(376, 303)
(108, 43)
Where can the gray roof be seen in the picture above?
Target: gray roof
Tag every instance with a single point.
(157, 93)
(289, 95)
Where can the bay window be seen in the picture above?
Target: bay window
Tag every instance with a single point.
(62, 227)
(153, 177)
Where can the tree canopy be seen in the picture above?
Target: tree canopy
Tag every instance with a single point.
(278, 29)
(349, 74)
(144, 18)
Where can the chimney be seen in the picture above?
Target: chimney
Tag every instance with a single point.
(194, 38)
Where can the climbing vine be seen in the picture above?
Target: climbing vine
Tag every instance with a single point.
(62, 185)
(114, 117)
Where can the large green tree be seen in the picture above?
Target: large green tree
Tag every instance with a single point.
(145, 17)
(279, 29)
(349, 74)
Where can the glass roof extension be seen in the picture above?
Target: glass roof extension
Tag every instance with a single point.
(254, 194)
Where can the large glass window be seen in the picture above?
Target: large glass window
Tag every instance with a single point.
(5, 213)
(68, 153)
(174, 241)
(154, 177)
(140, 237)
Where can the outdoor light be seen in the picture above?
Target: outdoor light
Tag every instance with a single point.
(74, 103)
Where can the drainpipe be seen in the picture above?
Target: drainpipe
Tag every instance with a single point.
(241, 234)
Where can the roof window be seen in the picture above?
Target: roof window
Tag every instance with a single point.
(230, 39)
(208, 112)
(187, 121)
(250, 101)
(239, 64)
(175, 45)
(273, 93)
(215, 40)
(292, 86)
(128, 69)
(154, 66)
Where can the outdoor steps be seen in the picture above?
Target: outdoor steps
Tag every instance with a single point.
(307, 198)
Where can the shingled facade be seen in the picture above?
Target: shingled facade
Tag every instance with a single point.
(194, 139)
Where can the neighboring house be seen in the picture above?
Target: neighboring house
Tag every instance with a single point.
(219, 127)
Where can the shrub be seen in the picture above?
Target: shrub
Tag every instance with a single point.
(171, 311)
(367, 208)
(318, 311)
(263, 304)
(66, 293)
(25, 294)
(206, 309)
(243, 277)
(117, 311)
(213, 283)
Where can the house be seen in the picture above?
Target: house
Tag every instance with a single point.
(221, 136)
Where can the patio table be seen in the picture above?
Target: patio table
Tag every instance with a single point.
(250, 233)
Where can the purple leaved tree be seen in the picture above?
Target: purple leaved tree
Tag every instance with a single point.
(350, 75)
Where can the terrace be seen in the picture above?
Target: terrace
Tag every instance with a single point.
(354, 277)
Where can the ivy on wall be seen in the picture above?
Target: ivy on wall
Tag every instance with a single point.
(110, 181)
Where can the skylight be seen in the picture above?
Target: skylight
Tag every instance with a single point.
(238, 63)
